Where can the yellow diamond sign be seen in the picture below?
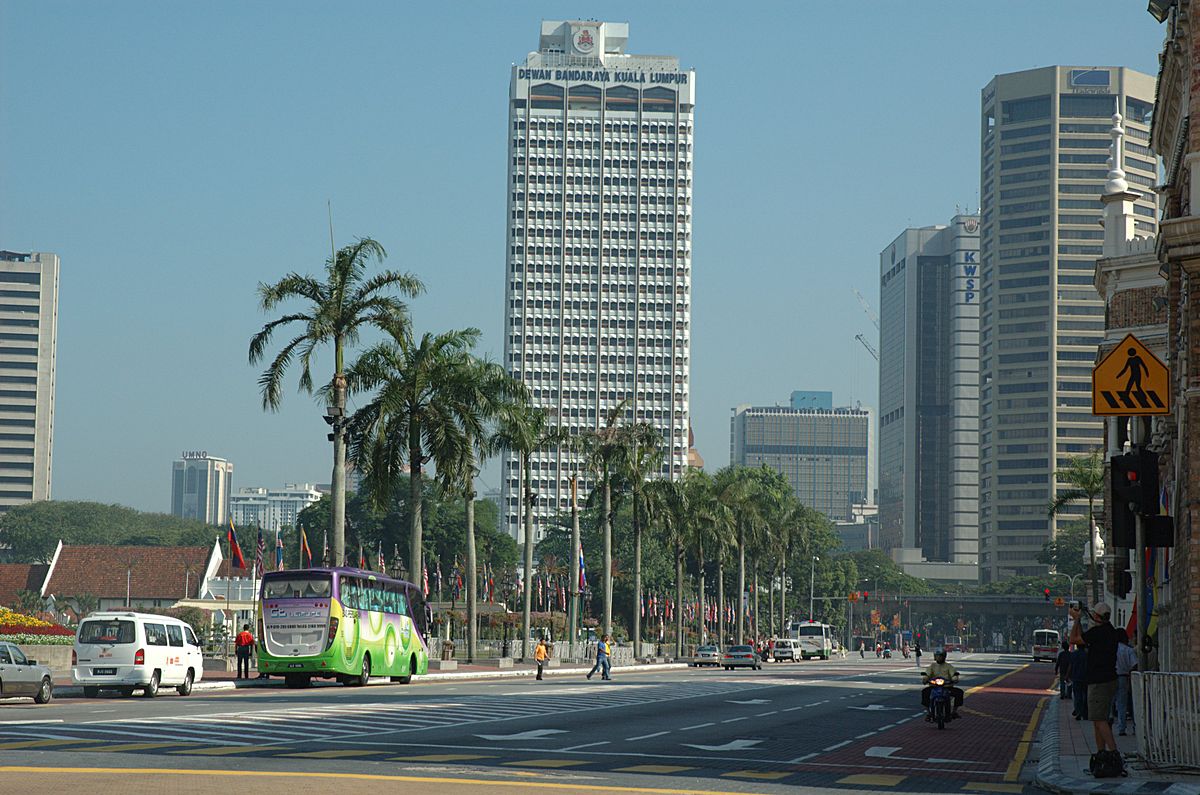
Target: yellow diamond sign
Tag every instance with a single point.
(1131, 382)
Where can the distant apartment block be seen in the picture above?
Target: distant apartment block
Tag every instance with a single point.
(273, 510)
(929, 400)
(827, 455)
(28, 342)
(200, 487)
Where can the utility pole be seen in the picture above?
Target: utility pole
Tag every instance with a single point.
(574, 587)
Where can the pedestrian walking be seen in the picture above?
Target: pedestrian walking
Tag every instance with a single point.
(540, 654)
(601, 659)
(608, 650)
(1101, 675)
(1127, 663)
(1063, 666)
(245, 647)
(1078, 671)
(917, 652)
(862, 649)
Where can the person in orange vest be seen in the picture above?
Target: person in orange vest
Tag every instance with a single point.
(245, 647)
(540, 654)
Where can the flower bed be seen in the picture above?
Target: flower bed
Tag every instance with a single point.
(27, 639)
(19, 624)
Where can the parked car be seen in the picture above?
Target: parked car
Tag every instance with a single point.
(20, 676)
(129, 651)
(706, 655)
(783, 650)
(741, 657)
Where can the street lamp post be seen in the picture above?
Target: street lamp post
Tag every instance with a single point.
(1071, 577)
(812, 575)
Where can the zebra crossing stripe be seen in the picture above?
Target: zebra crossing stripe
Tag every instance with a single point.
(1132, 400)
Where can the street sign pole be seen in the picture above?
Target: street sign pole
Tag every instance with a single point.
(1139, 577)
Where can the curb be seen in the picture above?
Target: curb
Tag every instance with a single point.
(75, 691)
(1051, 778)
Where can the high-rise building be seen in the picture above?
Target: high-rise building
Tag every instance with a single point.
(598, 260)
(828, 456)
(929, 400)
(272, 509)
(29, 319)
(1044, 146)
(201, 487)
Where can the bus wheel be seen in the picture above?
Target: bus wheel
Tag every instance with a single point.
(412, 668)
(364, 676)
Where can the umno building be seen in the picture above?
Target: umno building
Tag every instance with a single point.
(598, 288)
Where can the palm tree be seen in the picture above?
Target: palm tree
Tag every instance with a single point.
(492, 387)
(643, 457)
(668, 499)
(739, 489)
(707, 530)
(525, 429)
(338, 309)
(603, 451)
(426, 411)
(1084, 477)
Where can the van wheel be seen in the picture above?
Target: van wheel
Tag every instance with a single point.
(364, 676)
(45, 692)
(185, 689)
(412, 669)
(151, 689)
(90, 692)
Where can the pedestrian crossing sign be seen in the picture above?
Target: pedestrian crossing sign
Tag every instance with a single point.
(1131, 382)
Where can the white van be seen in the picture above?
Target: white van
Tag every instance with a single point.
(135, 651)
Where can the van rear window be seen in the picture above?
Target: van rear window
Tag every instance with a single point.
(99, 631)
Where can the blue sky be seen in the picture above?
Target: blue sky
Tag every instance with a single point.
(174, 155)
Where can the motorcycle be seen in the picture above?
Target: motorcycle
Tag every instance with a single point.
(887, 654)
(940, 700)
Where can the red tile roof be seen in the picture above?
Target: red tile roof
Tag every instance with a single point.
(154, 572)
(20, 577)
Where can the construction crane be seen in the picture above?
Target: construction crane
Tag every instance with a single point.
(870, 348)
(867, 308)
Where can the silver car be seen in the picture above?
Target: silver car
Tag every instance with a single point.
(741, 657)
(23, 677)
(706, 655)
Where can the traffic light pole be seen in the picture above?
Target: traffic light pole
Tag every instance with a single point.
(1139, 554)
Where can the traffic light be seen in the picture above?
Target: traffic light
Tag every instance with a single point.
(866, 596)
(1134, 480)
(1046, 593)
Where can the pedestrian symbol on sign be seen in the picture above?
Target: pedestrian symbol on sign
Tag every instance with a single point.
(1131, 381)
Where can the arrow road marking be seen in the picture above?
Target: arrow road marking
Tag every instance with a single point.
(887, 751)
(533, 734)
(732, 745)
(750, 701)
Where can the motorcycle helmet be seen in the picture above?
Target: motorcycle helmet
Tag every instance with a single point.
(939, 655)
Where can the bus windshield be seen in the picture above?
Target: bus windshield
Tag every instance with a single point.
(811, 630)
(297, 586)
(1045, 637)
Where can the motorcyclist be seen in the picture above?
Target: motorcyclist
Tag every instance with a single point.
(940, 668)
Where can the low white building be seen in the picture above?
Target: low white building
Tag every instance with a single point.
(272, 509)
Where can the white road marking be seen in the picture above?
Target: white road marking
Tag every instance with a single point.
(837, 746)
(645, 736)
(733, 720)
(802, 758)
(25, 722)
(532, 734)
(697, 726)
(586, 745)
(732, 745)
(751, 701)
(765, 714)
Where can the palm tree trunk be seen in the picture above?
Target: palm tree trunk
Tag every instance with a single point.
(771, 609)
(528, 575)
(637, 580)
(415, 504)
(740, 608)
(574, 586)
(783, 626)
(606, 526)
(702, 629)
(678, 600)
(337, 483)
(721, 600)
(754, 618)
(472, 604)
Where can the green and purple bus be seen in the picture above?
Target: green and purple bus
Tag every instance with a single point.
(341, 623)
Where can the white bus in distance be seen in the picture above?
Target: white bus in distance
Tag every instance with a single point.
(812, 639)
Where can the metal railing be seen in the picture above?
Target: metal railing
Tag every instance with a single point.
(1166, 710)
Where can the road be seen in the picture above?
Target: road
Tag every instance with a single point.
(848, 724)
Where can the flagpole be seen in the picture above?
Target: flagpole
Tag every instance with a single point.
(573, 621)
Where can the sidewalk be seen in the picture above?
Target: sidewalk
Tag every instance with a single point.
(1066, 745)
(222, 680)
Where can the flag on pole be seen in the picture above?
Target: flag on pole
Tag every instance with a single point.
(582, 569)
(362, 557)
(306, 558)
(236, 560)
(278, 552)
(382, 565)
(324, 548)
(425, 579)
(439, 577)
(259, 550)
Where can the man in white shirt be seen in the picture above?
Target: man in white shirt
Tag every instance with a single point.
(1127, 662)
